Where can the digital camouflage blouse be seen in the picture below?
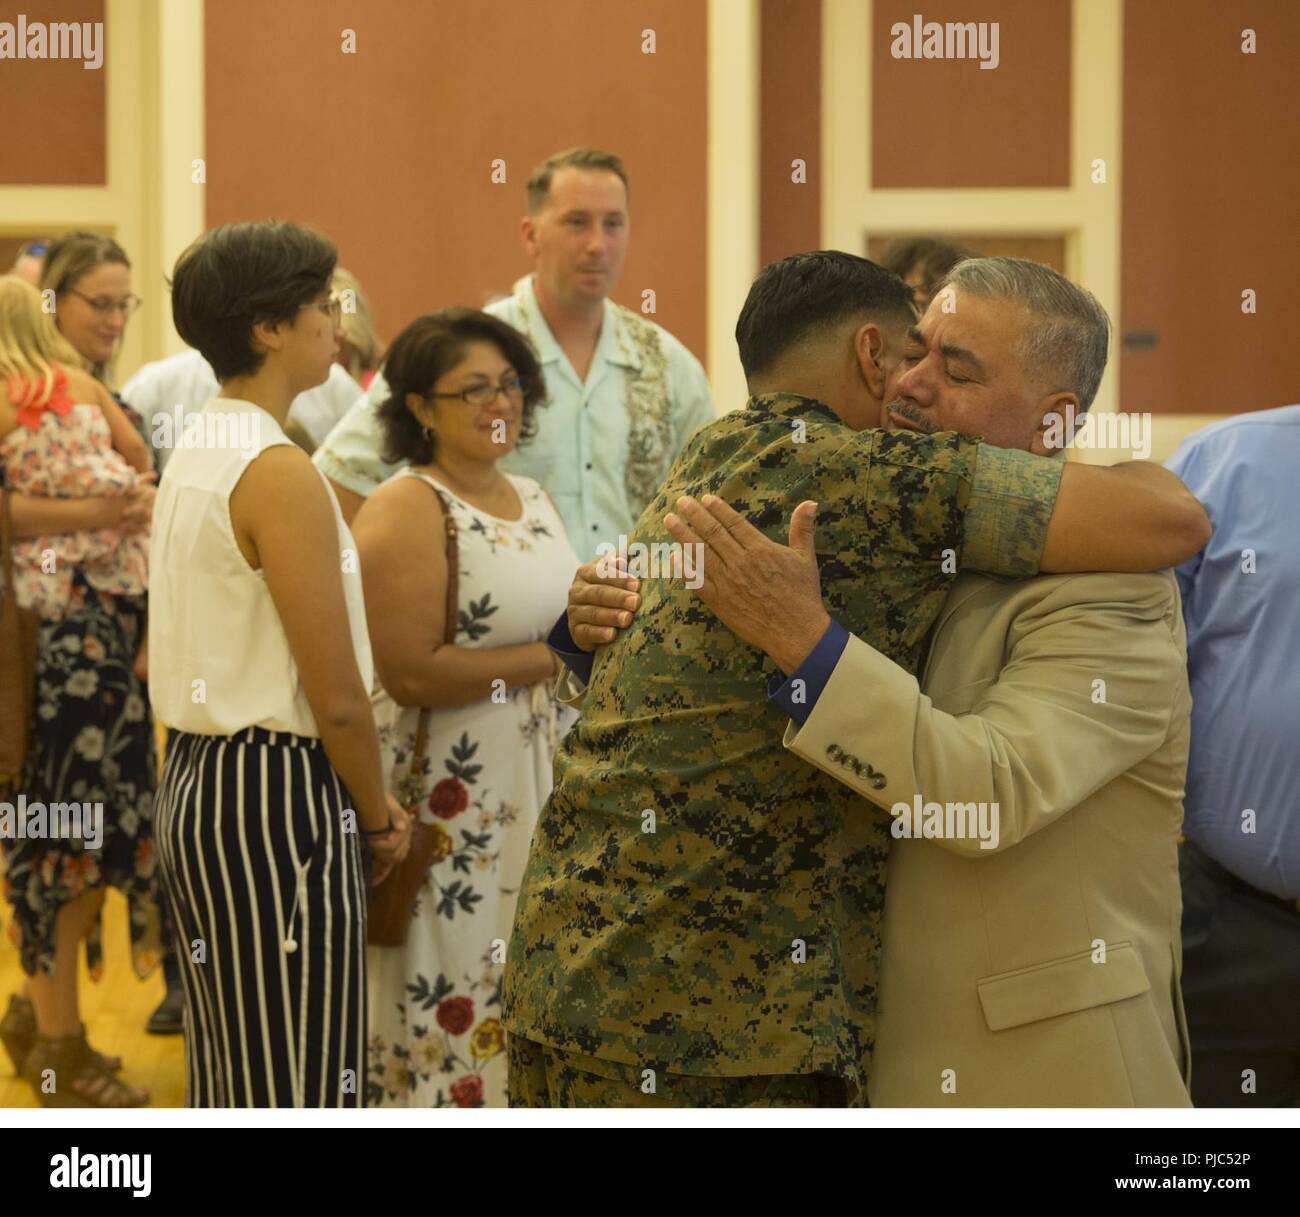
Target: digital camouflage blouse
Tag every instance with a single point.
(697, 899)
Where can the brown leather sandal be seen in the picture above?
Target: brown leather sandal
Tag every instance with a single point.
(64, 1072)
(18, 1031)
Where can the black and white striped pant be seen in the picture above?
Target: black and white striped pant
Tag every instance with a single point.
(269, 906)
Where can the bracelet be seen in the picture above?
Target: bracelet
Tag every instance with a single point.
(378, 832)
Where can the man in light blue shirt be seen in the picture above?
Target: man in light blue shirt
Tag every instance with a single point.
(1240, 862)
(624, 394)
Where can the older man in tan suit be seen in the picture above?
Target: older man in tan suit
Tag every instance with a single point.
(1031, 952)
(1042, 971)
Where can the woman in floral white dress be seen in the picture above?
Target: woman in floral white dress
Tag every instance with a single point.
(463, 386)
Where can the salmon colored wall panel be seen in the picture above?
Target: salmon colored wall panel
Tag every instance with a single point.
(951, 123)
(790, 127)
(390, 150)
(1210, 185)
(53, 111)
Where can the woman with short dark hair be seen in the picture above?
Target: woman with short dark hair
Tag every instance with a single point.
(260, 664)
(464, 387)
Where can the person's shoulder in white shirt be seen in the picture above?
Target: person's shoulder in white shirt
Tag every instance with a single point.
(186, 381)
(183, 379)
(319, 409)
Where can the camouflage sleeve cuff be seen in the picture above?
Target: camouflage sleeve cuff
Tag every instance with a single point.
(1011, 502)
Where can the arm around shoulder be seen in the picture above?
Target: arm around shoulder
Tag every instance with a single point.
(1134, 516)
(1030, 513)
(1038, 740)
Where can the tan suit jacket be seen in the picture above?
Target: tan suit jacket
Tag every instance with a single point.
(1044, 972)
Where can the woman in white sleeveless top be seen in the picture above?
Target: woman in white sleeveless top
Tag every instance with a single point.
(463, 386)
(260, 665)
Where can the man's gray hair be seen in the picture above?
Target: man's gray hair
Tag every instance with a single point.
(1068, 337)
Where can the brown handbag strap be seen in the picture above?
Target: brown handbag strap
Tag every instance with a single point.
(450, 618)
(6, 542)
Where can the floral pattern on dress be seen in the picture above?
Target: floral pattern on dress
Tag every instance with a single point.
(447, 1032)
(64, 450)
(472, 622)
(436, 1037)
(92, 742)
(501, 535)
(92, 738)
(457, 1044)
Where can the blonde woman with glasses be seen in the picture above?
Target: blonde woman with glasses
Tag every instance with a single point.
(90, 276)
(77, 480)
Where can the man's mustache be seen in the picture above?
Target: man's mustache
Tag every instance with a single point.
(901, 406)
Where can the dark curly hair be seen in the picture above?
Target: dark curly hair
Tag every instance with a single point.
(429, 348)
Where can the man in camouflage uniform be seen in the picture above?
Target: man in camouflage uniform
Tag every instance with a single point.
(698, 923)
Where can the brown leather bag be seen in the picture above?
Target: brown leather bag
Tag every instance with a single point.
(393, 901)
(18, 636)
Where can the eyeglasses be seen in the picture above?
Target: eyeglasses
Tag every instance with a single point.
(104, 305)
(486, 394)
(332, 308)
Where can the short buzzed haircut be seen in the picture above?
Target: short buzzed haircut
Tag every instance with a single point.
(1067, 341)
(539, 183)
(806, 294)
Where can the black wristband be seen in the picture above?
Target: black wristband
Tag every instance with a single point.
(378, 832)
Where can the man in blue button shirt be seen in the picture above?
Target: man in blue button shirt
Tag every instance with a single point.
(1240, 861)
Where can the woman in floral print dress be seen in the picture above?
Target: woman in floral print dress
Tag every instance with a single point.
(78, 472)
(463, 387)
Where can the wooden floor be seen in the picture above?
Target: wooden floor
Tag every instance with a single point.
(114, 1011)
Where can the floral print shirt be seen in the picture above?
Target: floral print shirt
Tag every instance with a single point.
(63, 449)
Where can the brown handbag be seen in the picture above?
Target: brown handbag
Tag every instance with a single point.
(18, 637)
(392, 902)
